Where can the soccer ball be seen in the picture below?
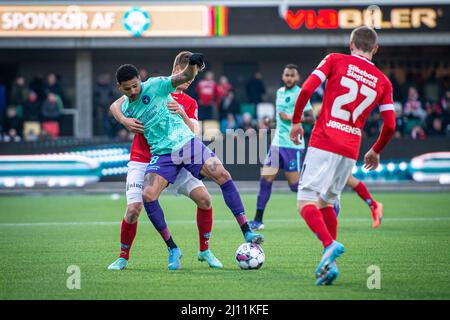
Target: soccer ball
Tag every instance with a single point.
(250, 256)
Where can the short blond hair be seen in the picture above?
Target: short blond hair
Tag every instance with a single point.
(364, 38)
(182, 60)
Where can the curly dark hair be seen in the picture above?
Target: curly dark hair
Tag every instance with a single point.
(126, 72)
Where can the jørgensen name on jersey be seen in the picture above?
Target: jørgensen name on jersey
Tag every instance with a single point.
(285, 102)
(165, 132)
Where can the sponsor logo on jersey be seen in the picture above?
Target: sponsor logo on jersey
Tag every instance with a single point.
(362, 75)
(343, 127)
(287, 99)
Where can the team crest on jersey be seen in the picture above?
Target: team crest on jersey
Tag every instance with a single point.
(287, 99)
(136, 21)
(146, 99)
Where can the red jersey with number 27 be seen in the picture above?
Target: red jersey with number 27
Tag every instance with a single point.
(140, 150)
(354, 87)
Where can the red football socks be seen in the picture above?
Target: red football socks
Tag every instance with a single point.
(127, 234)
(204, 224)
(314, 220)
(364, 194)
(329, 216)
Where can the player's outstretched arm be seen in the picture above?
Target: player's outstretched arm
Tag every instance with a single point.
(130, 124)
(196, 64)
(308, 88)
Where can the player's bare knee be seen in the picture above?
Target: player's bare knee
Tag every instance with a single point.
(149, 194)
(204, 202)
(223, 176)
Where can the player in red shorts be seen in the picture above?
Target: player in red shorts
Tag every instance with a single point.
(354, 88)
(185, 183)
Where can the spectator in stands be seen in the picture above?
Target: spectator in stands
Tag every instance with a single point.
(413, 106)
(432, 88)
(32, 107)
(228, 123)
(51, 113)
(247, 122)
(14, 123)
(400, 120)
(223, 88)
(229, 104)
(410, 82)
(434, 120)
(12, 136)
(53, 85)
(103, 95)
(445, 103)
(37, 85)
(255, 88)
(207, 97)
(417, 133)
(19, 92)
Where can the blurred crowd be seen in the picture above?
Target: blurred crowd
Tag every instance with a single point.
(33, 109)
(421, 94)
(35, 106)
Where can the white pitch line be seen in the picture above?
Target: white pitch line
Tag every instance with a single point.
(110, 223)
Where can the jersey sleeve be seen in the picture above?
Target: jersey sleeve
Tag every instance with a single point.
(324, 68)
(308, 106)
(309, 86)
(386, 101)
(161, 85)
(192, 111)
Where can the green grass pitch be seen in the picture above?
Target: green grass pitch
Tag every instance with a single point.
(41, 236)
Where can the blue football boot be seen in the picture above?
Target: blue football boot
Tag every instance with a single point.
(333, 251)
(119, 264)
(253, 237)
(174, 258)
(331, 275)
(209, 257)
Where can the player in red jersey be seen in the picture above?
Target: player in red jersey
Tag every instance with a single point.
(185, 183)
(354, 88)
